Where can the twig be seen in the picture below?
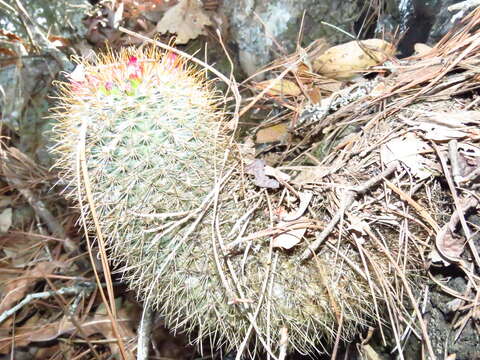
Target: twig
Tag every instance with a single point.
(453, 155)
(339, 335)
(283, 343)
(233, 82)
(8, 7)
(407, 288)
(83, 182)
(38, 36)
(39, 207)
(464, 5)
(144, 331)
(471, 176)
(82, 288)
(458, 205)
(348, 200)
(10, 157)
(414, 204)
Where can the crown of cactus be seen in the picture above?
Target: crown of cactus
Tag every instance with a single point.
(153, 143)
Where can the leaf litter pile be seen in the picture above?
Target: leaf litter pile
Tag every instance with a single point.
(371, 187)
(398, 158)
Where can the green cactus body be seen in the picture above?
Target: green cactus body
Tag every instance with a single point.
(154, 144)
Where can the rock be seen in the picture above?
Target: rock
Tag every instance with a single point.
(259, 28)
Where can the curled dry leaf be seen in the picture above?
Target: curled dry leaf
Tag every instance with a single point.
(257, 169)
(444, 126)
(408, 149)
(295, 230)
(449, 247)
(277, 174)
(292, 237)
(305, 198)
(311, 175)
(346, 61)
(186, 19)
(357, 224)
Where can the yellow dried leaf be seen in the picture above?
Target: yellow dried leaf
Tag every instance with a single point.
(348, 60)
(272, 134)
(280, 87)
(186, 19)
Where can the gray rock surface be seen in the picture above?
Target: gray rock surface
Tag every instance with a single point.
(265, 30)
(262, 29)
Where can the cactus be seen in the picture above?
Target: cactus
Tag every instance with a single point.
(154, 143)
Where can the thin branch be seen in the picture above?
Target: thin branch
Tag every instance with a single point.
(12, 158)
(348, 199)
(144, 332)
(83, 182)
(37, 36)
(82, 288)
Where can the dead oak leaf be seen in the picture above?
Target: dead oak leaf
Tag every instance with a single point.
(186, 19)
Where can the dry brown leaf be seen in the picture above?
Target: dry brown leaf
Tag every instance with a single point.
(16, 289)
(186, 19)
(314, 95)
(18, 250)
(311, 174)
(449, 245)
(272, 134)
(257, 169)
(281, 87)
(347, 61)
(99, 324)
(421, 49)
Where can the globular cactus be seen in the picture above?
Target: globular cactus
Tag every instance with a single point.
(171, 197)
